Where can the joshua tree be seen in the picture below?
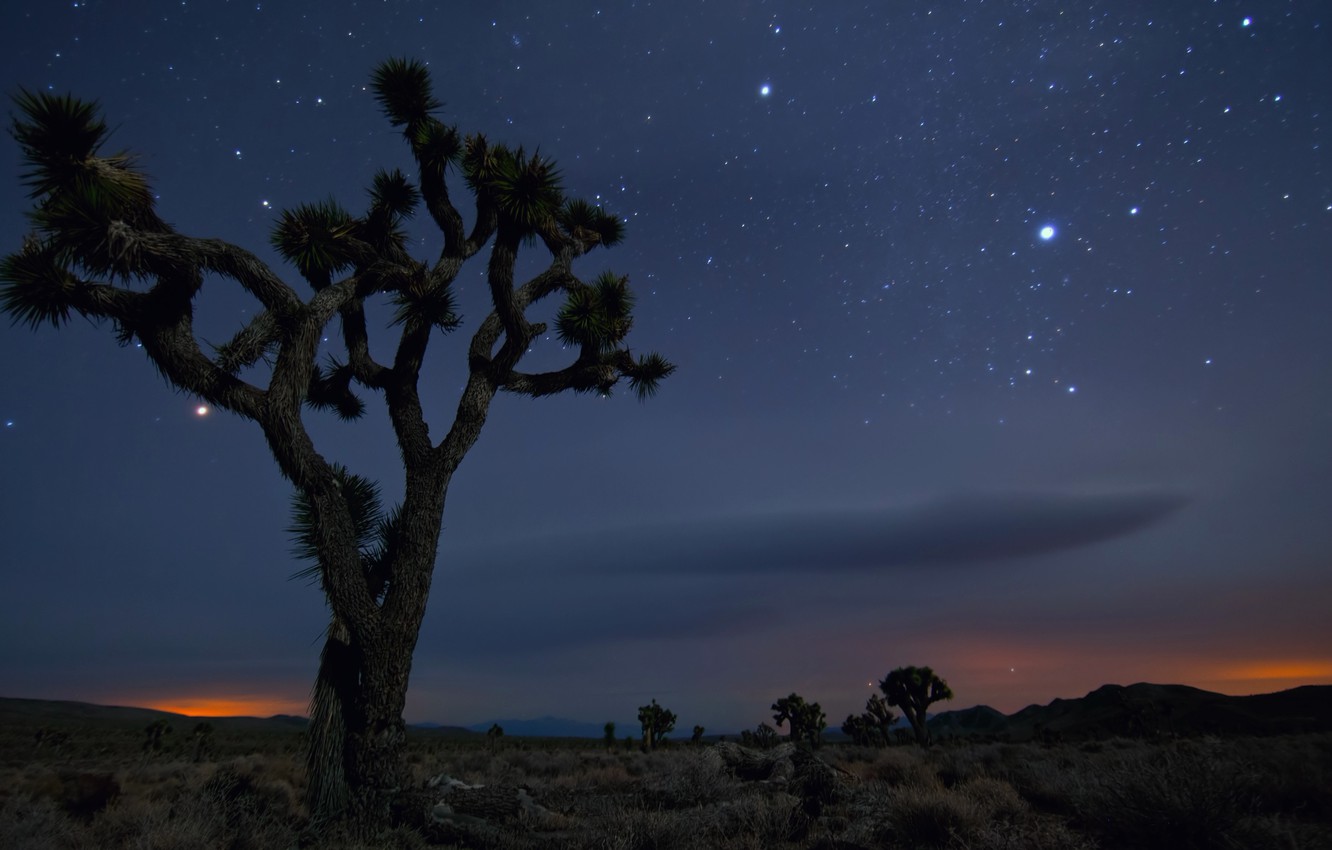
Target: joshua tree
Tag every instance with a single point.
(697, 737)
(608, 735)
(807, 720)
(98, 249)
(765, 736)
(872, 726)
(879, 717)
(203, 741)
(657, 724)
(855, 728)
(914, 690)
(155, 734)
(493, 736)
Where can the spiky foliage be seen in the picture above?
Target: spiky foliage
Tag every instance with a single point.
(421, 299)
(61, 138)
(393, 194)
(526, 188)
(38, 289)
(316, 238)
(97, 249)
(330, 389)
(914, 690)
(597, 317)
(591, 224)
(403, 89)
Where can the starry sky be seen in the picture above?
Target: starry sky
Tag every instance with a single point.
(1001, 331)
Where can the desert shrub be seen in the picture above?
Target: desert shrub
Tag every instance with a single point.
(898, 766)
(688, 779)
(1167, 797)
(929, 816)
(995, 799)
(38, 824)
(955, 765)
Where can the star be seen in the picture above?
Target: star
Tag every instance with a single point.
(765, 90)
(1047, 232)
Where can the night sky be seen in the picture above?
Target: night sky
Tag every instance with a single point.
(1002, 334)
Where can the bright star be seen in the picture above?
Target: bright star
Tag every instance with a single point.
(1047, 232)
(765, 90)
(1246, 22)
(201, 410)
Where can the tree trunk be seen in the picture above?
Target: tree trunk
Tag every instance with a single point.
(375, 732)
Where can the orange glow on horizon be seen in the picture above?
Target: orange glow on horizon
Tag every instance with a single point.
(1307, 670)
(240, 706)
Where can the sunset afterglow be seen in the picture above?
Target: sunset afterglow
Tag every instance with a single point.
(234, 706)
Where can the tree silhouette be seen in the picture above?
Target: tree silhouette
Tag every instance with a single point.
(657, 723)
(855, 728)
(914, 690)
(807, 720)
(879, 717)
(872, 726)
(98, 249)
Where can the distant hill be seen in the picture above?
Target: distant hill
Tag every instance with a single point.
(14, 711)
(548, 727)
(1149, 709)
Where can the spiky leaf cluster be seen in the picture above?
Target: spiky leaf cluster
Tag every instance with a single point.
(375, 529)
(330, 389)
(525, 188)
(590, 224)
(646, 375)
(418, 298)
(597, 317)
(38, 289)
(81, 196)
(316, 238)
(61, 137)
(435, 145)
(402, 87)
(392, 194)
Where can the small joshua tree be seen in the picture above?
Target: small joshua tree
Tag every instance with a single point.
(765, 736)
(99, 250)
(155, 735)
(855, 728)
(914, 690)
(608, 735)
(203, 741)
(697, 737)
(880, 718)
(657, 724)
(873, 726)
(493, 736)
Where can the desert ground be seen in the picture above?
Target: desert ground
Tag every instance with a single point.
(101, 784)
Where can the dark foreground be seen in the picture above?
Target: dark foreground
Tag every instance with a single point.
(105, 787)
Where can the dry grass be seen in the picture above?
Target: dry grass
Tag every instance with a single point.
(1207, 793)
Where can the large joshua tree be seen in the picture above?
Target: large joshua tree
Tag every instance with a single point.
(98, 249)
(914, 690)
